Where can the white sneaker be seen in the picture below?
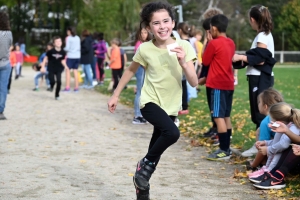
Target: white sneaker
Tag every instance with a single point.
(177, 123)
(250, 152)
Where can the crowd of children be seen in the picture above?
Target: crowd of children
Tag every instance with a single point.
(163, 75)
(278, 124)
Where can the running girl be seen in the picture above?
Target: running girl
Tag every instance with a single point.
(161, 94)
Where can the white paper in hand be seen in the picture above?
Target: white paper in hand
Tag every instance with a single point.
(172, 46)
(275, 125)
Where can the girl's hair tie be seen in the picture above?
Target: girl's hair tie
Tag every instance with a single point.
(262, 7)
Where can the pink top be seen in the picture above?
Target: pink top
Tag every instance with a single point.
(19, 57)
(137, 44)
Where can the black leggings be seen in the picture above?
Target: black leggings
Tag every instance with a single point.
(117, 74)
(287, 162)
(254, 91)
(51, 75)
(100, 67)
(165, 132)
(185, 104)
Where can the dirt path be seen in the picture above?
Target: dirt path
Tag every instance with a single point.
(75, 149)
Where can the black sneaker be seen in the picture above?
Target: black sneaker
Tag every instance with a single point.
(210, 132)
(142, 194)
(2, 117)
(259, 179)
(143, 173)
(270, 182)
(49, 89)
(139, 120)
(35, 89)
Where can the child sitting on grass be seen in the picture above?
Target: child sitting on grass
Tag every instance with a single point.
(284, 113)
(265, 99)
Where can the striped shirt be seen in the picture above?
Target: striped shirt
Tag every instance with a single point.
(6, 40)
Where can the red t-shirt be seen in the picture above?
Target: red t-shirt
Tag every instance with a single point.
(218, 56)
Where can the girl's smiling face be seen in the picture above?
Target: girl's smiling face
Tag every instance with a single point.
(161, 25)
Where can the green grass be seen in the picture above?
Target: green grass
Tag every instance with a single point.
(198, 121)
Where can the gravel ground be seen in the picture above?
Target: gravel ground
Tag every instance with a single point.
(75, 149)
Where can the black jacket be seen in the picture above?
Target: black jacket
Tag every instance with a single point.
(256, 56)
(87, 51)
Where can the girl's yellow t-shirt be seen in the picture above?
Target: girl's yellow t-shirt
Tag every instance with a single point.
(163, 73)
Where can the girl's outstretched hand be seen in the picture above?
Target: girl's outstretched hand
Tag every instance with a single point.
(281, 129)
(112, 103)
(180, 56)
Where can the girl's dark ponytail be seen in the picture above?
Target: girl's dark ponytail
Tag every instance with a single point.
(266, 20)
(263, 18)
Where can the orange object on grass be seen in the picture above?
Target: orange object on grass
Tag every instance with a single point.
(31, 59)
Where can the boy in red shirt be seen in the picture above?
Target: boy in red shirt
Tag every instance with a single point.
(115, 62)
(218, 55)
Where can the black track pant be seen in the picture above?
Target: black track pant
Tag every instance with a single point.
(165, 132)
(52, 75)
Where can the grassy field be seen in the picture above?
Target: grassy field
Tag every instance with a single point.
(198, 121)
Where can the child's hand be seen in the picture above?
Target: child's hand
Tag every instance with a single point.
(180, 56)
(260, 144)
(296, 149)
(236, 57)
(112, 103)
(281, 129)
(208, 36)
(202, 81)
(263, 150)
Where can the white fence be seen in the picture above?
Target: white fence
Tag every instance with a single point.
(280, 56)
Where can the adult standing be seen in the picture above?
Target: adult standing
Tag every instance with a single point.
(86, 60)
(73, 57)
(6, 40)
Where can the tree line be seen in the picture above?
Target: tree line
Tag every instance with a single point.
(39, 20)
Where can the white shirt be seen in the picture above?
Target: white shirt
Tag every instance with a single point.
(264, 39)
(73, 47)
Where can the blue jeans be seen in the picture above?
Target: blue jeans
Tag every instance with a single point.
(40, 75)
(4, 76)
(88, 78)
(93, 65)
(140, 74)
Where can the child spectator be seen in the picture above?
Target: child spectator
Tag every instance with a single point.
(56, 65)
(41, 74)
(199, 48)
(86, 60)
(20, 60)
(13, 61)
(287, 129)
(123, 56)
(73, 58)
(100, 50)
(212, 132)
(141, 36)
(220, 78)
(185, 31)
(161, 94)
(260, 76)
(115, 62)
(265, 100)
